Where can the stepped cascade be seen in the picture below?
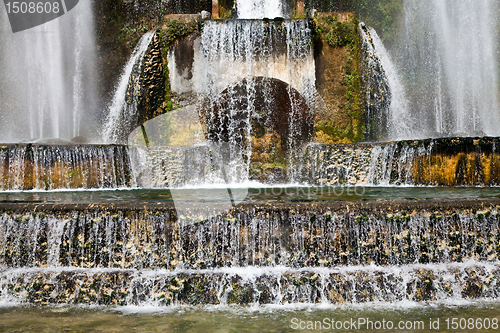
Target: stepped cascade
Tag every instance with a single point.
(269, 153)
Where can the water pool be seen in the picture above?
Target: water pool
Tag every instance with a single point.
(262, 194)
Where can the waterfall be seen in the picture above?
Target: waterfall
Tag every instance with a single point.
(243, 49)
(48, 79)
(123, 110)
(376, 87)
(268, 254)
(399, 106)
(259, 9)
(241, 59)
(449, 61)
(35, 167)
(438, 162)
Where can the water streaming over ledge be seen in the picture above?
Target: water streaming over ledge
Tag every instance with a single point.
(238, 54)
(45, 167)
(444, 162)
(247, 254)
(123, 111)
(451, 162)
(259, 9)
(268, 254)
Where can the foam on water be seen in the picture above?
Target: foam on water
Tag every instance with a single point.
(281, 287)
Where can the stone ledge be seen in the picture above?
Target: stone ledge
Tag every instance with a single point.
(184, 18)
(374, 206)
(419, 283)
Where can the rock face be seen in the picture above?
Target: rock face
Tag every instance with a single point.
(181, 58)
(152, 82)
(337, 57)
(277, 253)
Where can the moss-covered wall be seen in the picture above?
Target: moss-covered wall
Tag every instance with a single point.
(336, 48)
(226, 9)
(383, 15)
(336, 52)
(119, 26)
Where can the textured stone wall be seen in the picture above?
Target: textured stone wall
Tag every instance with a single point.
(175, 166)
(439, 162)
(152, 82)
(337, 57)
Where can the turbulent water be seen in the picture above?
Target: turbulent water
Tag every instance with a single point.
(449, 62)
(48, 79)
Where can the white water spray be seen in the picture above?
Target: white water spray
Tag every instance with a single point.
(237, 52)
(259, 9)
(398, 109)
(123, 111)
(450, 55)
(48, 79)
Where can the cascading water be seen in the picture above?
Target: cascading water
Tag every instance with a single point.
(123, 111)
(399, 107)
(449, 61)
(448, 162)
(211, 252)
(259, 9)
(272, 254)
(386, 99)
(239, 54)
(33, 167)
(48, 79)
